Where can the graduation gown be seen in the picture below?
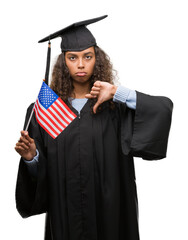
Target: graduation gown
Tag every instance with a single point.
(86, 178)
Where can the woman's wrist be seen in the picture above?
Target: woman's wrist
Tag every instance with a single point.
(30, 158)
(113, 91)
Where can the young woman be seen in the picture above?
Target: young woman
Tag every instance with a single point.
(84, 180)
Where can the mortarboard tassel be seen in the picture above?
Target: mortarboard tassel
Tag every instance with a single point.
(48, 62)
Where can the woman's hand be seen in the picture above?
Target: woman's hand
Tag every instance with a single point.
(26, 146)
(103, 91)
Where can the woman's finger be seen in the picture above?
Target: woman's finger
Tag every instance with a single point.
(94, 92)
(95, 88)
(23, 139)
(19, 149)
(26, 135)
(22, 145)
(90, 96)
(97, 84)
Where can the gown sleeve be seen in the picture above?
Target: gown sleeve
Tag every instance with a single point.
(145, 131)
(31, 190)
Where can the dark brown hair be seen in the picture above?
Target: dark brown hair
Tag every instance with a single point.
(61, 80)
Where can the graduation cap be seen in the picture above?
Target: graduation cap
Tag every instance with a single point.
(75, 37)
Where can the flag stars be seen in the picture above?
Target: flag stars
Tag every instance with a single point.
(47, 96)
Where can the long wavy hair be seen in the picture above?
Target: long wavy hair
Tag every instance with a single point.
(62, 82)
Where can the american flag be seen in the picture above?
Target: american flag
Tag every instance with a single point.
(51, 112)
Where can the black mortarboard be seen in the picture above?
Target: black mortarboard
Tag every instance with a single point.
(75, 37)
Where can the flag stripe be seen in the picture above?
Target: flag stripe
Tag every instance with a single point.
(50, 117)
(63, 111)
(43, 125)
(57, 118)
(51, 134)
(60, 116)
(46, 122)
(50, 122)
(65, 107)
(52, 114)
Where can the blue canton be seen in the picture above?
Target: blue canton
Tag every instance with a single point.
(47, 96)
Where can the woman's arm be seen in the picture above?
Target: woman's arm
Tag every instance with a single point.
(125, 95)
(31, 190)
(144, 131)
(105, 91)
(27, 150)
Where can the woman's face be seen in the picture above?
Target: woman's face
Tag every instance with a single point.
(81, 64)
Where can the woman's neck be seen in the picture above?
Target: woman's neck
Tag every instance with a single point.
(80, 90)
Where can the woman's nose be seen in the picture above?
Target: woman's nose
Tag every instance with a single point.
(80, 63)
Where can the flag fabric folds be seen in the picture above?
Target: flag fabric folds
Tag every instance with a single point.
(51, 112)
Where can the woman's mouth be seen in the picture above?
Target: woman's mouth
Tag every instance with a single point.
(81, 74)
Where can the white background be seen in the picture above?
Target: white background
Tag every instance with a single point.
(148, 44)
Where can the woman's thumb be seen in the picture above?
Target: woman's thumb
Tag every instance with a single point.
(96, 106)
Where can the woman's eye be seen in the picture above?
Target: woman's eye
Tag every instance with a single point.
(72, 58)
(88, 57)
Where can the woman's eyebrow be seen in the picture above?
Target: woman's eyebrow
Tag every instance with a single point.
(71, 54)
(88, 53)
(74, 54)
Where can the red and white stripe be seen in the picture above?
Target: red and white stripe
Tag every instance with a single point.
(54, 119)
